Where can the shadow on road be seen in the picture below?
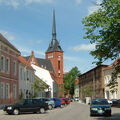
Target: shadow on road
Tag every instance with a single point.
(115, 116)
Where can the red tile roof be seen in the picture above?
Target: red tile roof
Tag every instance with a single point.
(76, 81)
(23, 60)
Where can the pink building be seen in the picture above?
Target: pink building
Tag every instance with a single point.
(8, 72)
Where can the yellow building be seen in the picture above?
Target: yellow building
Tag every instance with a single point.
(113, 93)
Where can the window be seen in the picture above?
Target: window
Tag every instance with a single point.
(2, 91)
(59, 57)
(7, 65)
(58, 65)
(21, 73)
(14, 91)
(2, 63)
(24, 75)
(14, 68)
(7, 91)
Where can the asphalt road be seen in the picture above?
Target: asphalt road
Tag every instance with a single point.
(74, 111)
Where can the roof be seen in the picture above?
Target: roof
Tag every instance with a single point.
(23, 61)
(116, 61)
(94, 69)
(54, 46)
(111, 66)
(43, 74)
(44, 63)
(5, 41)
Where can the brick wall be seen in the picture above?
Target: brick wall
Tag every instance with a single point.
(9, 78)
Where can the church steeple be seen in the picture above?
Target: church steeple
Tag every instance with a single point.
(54, 27)
(54, 44)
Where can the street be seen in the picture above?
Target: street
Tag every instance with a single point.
(74, 111)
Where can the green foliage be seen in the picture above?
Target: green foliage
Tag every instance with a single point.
(69, 80)
(39, 86)
(103, 29)
(21, 96)
(87, 92)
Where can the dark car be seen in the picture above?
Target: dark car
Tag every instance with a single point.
(26, 105)
(100, 106)
(115, 102)
(58, 102)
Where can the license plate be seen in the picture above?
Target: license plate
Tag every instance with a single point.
(100, 111)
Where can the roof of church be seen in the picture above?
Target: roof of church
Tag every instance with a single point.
(54, 44)
(45, 63)
(5, 41)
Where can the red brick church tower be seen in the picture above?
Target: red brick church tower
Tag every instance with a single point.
(55, 54)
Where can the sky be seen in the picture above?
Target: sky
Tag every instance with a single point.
(27, 24)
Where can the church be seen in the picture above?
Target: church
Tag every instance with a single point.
(53, 63)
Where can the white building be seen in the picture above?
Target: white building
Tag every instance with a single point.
(45, 76)
(26, 79)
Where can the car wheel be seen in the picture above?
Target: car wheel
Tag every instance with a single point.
(109, 115)
(50, 107)
(42, 110)
(16, 112)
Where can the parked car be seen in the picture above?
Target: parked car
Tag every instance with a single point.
(70, 99)
(67, 101)
(76, 99)
(115, 102)
(58, 102)
(26, 105)
(51, 103)
(100, 106)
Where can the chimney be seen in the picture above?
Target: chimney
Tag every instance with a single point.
(32, 53)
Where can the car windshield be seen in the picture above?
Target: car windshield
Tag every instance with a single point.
(99, 102)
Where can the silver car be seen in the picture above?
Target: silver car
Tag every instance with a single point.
(51, 103)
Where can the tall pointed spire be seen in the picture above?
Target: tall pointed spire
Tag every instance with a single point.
(54, 44)
(54, 27)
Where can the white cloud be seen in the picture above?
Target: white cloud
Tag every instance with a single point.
(83, 47)
(39, 41)
(95, 7)
(16, 3)
(37, 1)
(7, 35)
(78, 1)
(28, 51)
(72, 58)
(13, 3)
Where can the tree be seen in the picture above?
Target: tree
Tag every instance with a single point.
(39, 86)
(103, 29)
(69, 80)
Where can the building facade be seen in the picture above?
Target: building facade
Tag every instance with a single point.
(44, 71)
(91, 83)
(54, 53)
(8, 72)
(113, 93)
(26, 79)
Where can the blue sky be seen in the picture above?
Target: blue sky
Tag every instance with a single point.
(27, 24)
